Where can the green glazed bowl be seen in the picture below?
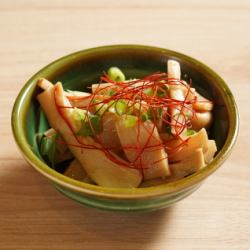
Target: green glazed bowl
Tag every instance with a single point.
(79, 69)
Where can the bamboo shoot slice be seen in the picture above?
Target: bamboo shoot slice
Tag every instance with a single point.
(153, 159)
(101, 169)
(77, 98)
(104, 88)
(212, 149)
(201, 120)
(77, 172)
(44, 83)
(174, 69)
(109, 136)
(177, 93)
(188, 165)
(198, 140)
(202, 104)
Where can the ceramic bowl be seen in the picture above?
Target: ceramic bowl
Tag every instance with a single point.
(79, 69)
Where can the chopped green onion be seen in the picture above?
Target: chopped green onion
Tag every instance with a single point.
(78, 114)
(116, 74)
(110, 92)
(137, 106)
(190, 132)
(188, 114)
(161, 93)
(154, 113)
(89, 125)
(129, 121)
(102, 108)
(90, 130)
(148, 91)
(150, 114)
(169, 130)
(48, 148)
(120, 107)
(144, 116)
(160, 111)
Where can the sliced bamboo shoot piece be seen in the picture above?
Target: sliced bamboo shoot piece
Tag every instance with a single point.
(101, 88)
(201, 120)
(109, 136)
(153, 182)
(202, 104)
(212, 149)
(44, 83)
(188, 165)
(153, 159)
(77, 98)
(177, 93)
(74, 93)
(61, 157)
(198, 140)
(174, 69)
(99, 167)
(77, 172)
(104, 88)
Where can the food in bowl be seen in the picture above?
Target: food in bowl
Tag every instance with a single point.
(79, 69)
(128, 133)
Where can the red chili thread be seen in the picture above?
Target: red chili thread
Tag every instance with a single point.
(133, 92)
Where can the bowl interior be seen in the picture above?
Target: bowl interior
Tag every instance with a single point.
(79, 70)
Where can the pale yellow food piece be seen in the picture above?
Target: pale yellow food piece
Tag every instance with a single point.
(210, 152)
(180, 169)
(77, 172)
(189, 93)
(158, 121)
(109, 136)
(201, 120)
(176, 92)
(76, 93)
(44, 83)
(177, 118)
(174, 69)
(154, 182)
(188, 165)
(80, 99)
(67, 155)
(50, 132)
(172, 143)
(80, 102)
(99, 167)
(202, 104)
(198, 140)
(104, 88)
(153, 160)
(84, 101)
(101, 88)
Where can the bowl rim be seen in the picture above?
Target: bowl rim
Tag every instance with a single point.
(121, 193)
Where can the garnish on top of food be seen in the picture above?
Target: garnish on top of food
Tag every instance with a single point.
(128, 133)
